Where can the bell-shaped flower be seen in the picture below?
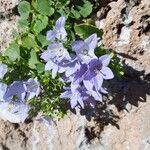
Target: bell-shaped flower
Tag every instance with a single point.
(91, 91)
(98, 70)
(85, 49)
(55, 52)
(80, 73)
(75, 95)
(16, 92)
(58, 31)
(32, 88)
(15, 113)
(3, 70)
(69, 67)
(54, 56)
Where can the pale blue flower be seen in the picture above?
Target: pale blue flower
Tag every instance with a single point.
(13, 113)
(58, 31)
(16, 92)
(3, 70)
(3, 88)
(32, 88)
(55, 56)
(69, 67)
(85, 49)
(98, 70)
(55, 52)
(76, 96)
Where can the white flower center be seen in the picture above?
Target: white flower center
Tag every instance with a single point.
(84, 52)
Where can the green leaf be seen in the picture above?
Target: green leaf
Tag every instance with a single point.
(13, 51)
(29, 41)
(40, 23)
(64, 2)
(24, 9)
(44, 7)
(33, 59)
(42, 39)
(85, 30)
(75, 13)
(40, 67)
(23, 23)
(86, 9)
(116, 66)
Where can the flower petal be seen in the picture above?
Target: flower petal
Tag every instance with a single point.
(97, 81)
(73, 102)
(3, 88)
(50, 35)
(54, 71)
(3, 70)
(60, 22)
(88, 85)
(92, 43)
(33, 88)
(97, 96)
(46, 55)
(80, 100)
(107, 73)
(103, 91)
(89, 75)
(79, 46)
(79, 75)
(13, 113)
(74, 87)
(65, 95)
(49, 65)
(17, 89)
(105, 59)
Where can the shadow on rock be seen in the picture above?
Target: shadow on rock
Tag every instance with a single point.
(123, 94)
(133, 89)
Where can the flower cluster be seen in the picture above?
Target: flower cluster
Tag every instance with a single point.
(14, 97)
(82, 69)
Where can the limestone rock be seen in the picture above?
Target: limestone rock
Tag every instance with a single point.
(127, 31)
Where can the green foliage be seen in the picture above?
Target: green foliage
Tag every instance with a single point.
(33, 59)
(40, 23)
(85, 30)
(116, 66)
(44, 7)
(49, 102)
(23, 23)
(75, 13)
(42, 39)
(83, 10)
(24, 9)
(86, 9)
(29, 42)
(40, 67)
(13, 52)
(23, 54)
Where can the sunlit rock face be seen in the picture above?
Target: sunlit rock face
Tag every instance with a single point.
(8, 22)
(127, 30)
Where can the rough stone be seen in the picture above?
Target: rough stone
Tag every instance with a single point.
(8, 22)
(134, 132)
(127, 31)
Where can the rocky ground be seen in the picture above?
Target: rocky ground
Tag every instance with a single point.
(122, 124)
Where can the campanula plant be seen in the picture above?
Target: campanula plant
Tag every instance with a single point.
(53, 59)
(88, 73)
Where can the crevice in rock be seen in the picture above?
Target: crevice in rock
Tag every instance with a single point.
(5, 147)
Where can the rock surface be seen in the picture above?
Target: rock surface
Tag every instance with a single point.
(122, 122)
(127, 31)
(8, 22)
